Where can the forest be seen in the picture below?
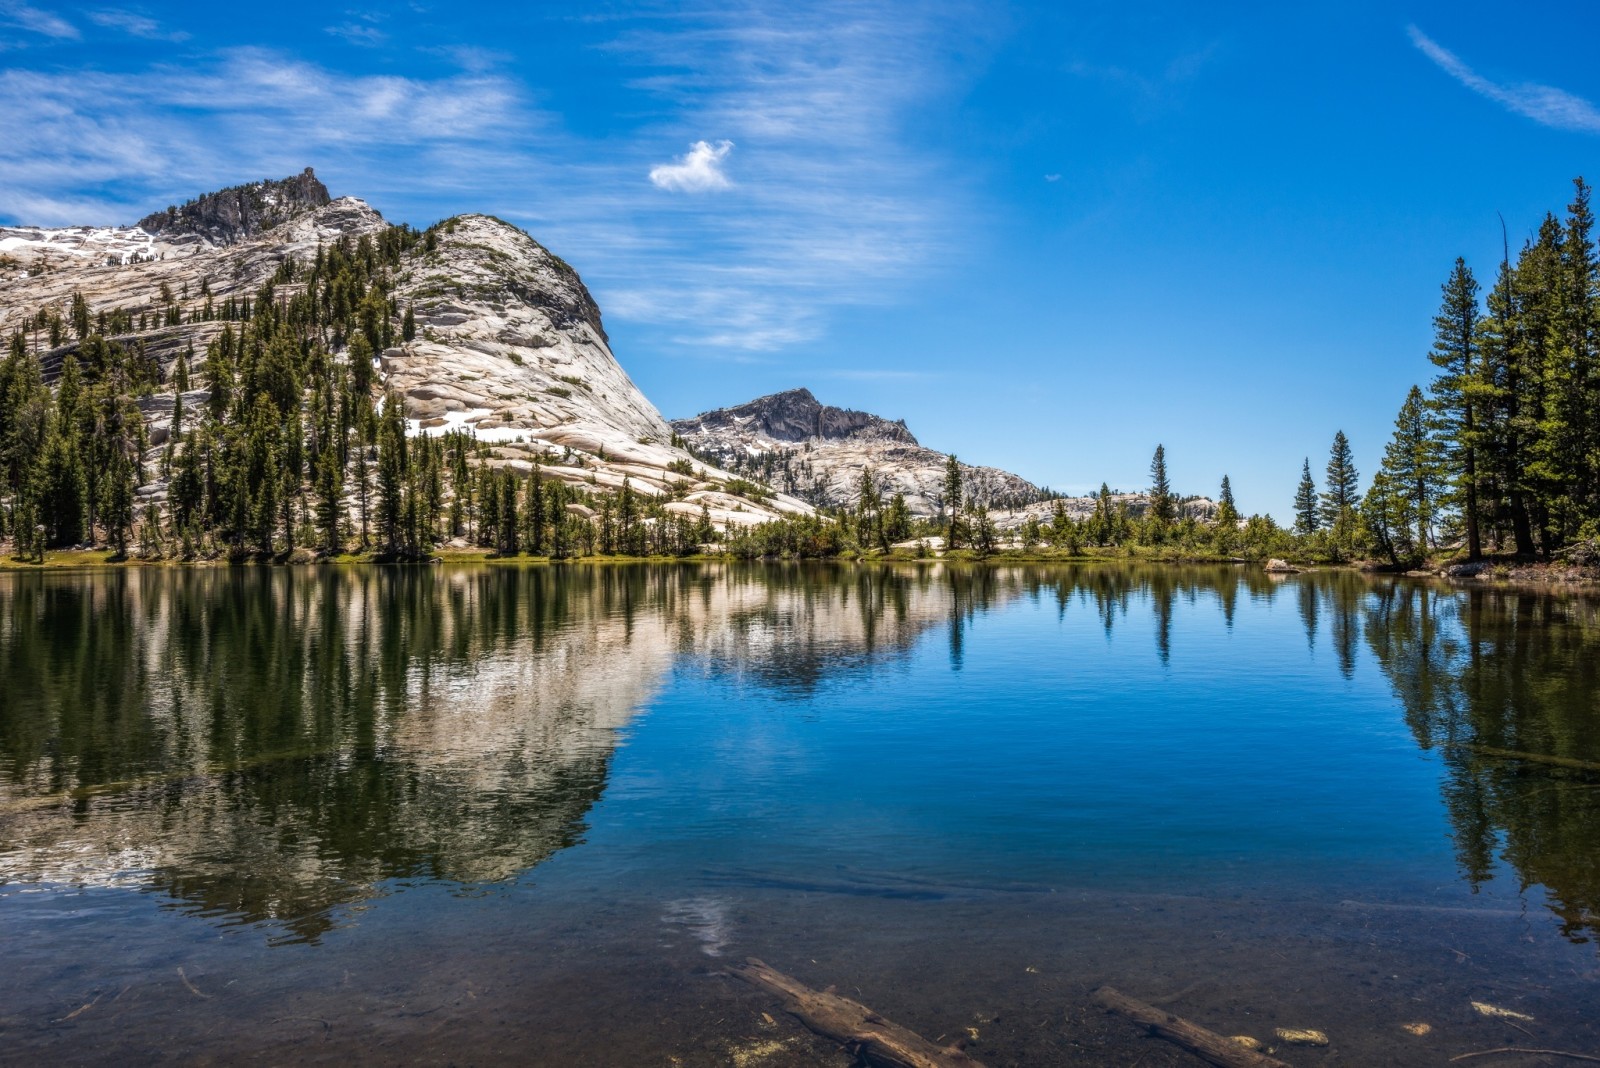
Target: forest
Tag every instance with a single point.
(292, 448)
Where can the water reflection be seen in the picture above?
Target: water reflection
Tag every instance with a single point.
(281, 746)
(1517, 671)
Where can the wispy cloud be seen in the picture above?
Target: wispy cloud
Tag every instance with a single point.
(168, 132)
(1543, 104)
(36, 20)
(473, 58)
(697, 171)
(135, 25)
(839, 199)
(358, 33)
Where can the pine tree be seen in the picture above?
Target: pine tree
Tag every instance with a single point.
(1537, 279)
(408, 327)
(1457, 392)
(952, 499)
(507, 525)
(897, 520)
(392, 470)
(62, 492)
(1163, 509)
(1413, 468)
(1341, 497)
(24, 415)
(1306, 520)
(330, 495)
(117, 497)
(533, 513)
(1227, 510)
(869, 505)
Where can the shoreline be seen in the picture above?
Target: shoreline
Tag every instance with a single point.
(1501, 575)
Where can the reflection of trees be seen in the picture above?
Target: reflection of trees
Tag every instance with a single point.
(278, 744)
(274, 745)
(270, 745)
(1512, 671)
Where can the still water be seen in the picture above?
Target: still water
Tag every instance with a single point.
(474, 814)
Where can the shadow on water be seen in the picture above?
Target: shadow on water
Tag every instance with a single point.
(280, 745)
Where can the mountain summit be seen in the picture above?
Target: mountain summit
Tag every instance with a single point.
(471, 325)
(795, 415)
(230, 215)
(818, 453)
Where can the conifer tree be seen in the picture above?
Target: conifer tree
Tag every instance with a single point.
(897, 520)
(1163, 508)
(533, 512)
(1413, 469)
(62, 492)
(507, 525)
(392, 470)
(1227, 510)
(117, 506)
(1341, 496)
(952, 499)
(1457, 391)
(1306, 520)
(330, 494)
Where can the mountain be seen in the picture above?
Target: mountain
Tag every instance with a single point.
(507, 343)
(228, 216)
(818, 452)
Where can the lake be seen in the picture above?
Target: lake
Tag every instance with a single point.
(471, 814)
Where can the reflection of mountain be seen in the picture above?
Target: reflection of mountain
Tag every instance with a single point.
(275, 745)
(1511, 671)
(271, 745)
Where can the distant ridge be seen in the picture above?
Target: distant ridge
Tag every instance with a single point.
(795, 415)
(818, 453)
(230, 215)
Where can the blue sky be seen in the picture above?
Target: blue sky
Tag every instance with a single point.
(1048, 236)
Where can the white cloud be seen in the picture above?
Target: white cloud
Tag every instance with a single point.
(1052, 177)
(839, 203)
(15, 13)
(1543, 104)
(135, 25)
(169, 132)
(697, 171)
(358, 34)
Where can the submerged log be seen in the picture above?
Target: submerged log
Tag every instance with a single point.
(1224, 1052)
(860, 1030)
(1536, 758)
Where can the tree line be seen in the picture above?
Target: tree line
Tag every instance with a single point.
(273, 443)
(1501, 452)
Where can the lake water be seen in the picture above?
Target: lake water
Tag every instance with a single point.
(480, 814)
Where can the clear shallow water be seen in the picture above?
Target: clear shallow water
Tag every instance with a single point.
(466, 813)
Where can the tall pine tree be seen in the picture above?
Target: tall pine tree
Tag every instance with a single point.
(1458, 391)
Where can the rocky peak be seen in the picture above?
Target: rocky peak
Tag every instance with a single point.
(230, 215)
(796, 415)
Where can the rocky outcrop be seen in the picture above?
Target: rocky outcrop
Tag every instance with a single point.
(793, 416)
(509, 344)
(818, 453)
(228, 216)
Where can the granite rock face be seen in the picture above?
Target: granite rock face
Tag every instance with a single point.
(228, 216)
(509, 343)
(818, 453)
